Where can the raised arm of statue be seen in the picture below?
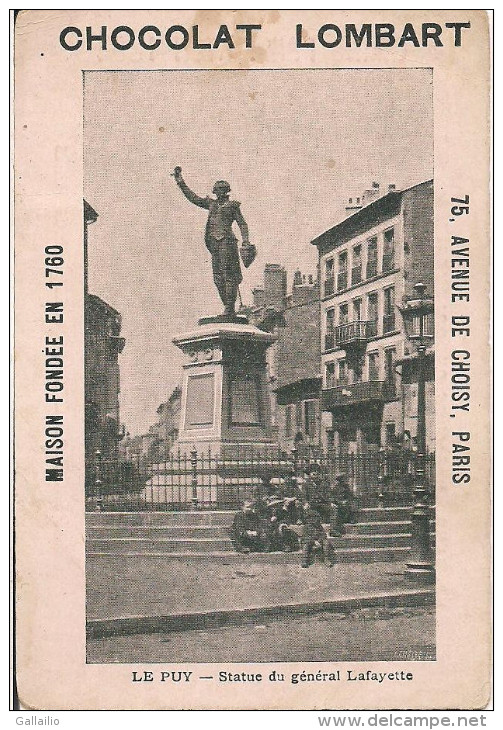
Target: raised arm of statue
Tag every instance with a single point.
(189, 194)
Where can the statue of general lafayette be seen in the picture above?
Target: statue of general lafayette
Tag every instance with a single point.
(220, 239)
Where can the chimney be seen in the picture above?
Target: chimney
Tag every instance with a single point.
(371, 194)
(304, 289)
(275, 286)
(353, 205)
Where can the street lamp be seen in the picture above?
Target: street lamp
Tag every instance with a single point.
(418, 321)
(98, 484)
(193, 463)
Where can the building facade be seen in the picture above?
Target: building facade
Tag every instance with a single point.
(168, 425)
(298, 366)
(369, 263)
(293, 361)
(102, 345)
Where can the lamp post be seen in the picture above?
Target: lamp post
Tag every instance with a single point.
(193, 464)
(98, 483)
(418, 320)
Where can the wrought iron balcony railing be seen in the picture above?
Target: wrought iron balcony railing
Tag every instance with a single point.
(351, 333)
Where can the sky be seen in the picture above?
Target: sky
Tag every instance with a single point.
(294, 145)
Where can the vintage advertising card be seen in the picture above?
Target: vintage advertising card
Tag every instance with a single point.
(252, 359)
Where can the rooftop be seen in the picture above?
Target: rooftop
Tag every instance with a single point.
(377, 211)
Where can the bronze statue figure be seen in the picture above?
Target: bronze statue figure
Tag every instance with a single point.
(220, 239)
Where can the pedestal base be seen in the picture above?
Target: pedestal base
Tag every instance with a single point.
(225, 399)
(225, 419)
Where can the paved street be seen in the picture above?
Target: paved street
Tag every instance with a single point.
(124, 586)
(399, 634)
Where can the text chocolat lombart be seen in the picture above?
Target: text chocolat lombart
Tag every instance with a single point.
(329, 35)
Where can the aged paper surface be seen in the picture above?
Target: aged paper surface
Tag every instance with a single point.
(357, 143)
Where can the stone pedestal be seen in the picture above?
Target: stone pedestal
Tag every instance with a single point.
(225, 400)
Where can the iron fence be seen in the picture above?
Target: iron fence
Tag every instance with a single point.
(198, 480)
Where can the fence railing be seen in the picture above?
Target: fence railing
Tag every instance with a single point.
(206, 481)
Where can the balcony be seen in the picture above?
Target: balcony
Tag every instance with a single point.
(352, 334)
(375, 391)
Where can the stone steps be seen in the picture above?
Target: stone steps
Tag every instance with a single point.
(381, 534)
(381, 528)
(147, 518)
(155, 532)
(208, 544)
(223, 517)
(161, 545)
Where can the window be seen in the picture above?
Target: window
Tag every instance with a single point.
(329, 277)
(356, 270)
(330, 375)
(343, 372)
(388, 258)
(343, 314)
(358, 365)
(309, 418)
(389, 371)
(357, 310)
(389, 310)
(373, 366)
(329, 331)
(371, 257)
(342, 276)
(372, 314)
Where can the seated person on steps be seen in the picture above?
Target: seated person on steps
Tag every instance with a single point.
(247, 533)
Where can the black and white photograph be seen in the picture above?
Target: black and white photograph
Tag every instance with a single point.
(259, 365)
(252, 398)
